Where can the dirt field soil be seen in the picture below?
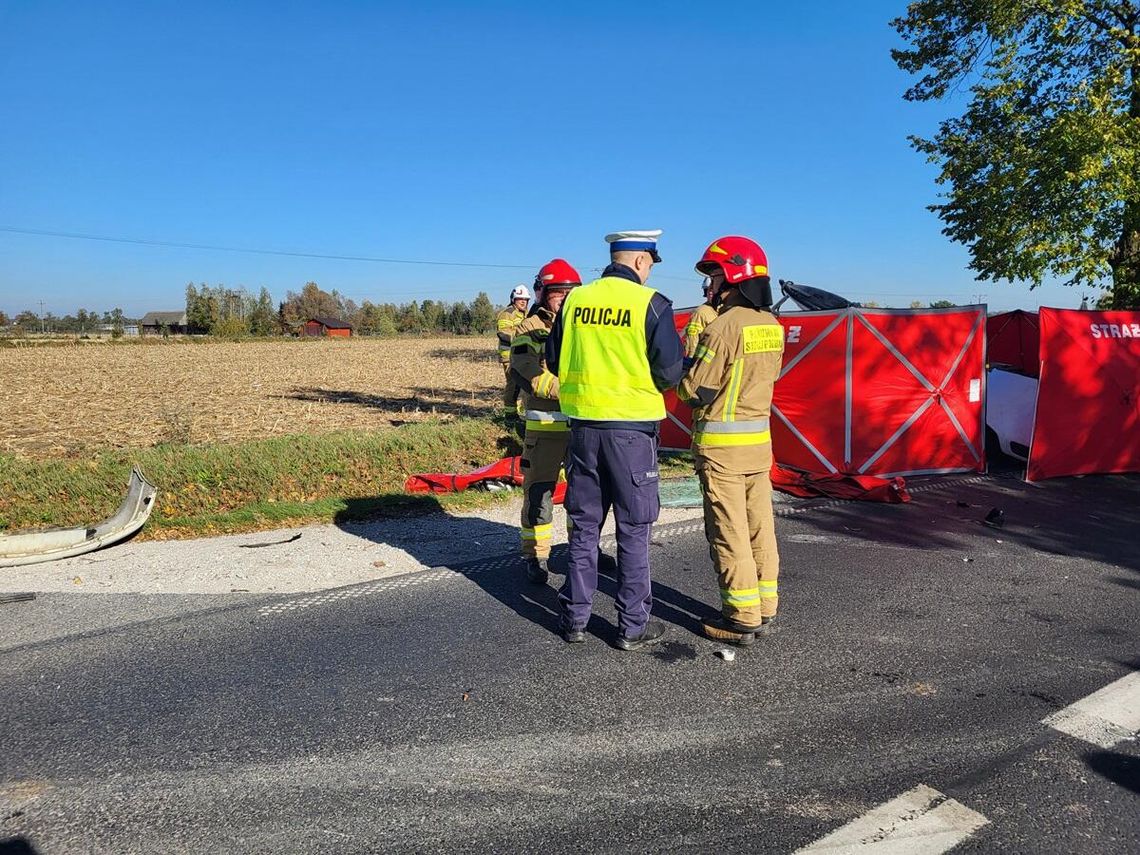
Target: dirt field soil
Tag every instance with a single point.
(71, 401)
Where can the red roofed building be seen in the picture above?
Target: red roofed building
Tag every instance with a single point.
(326, 326)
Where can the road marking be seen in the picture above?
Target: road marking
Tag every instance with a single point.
(1105, 717)
(921, 821)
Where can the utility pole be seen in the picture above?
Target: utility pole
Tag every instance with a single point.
(43, 326)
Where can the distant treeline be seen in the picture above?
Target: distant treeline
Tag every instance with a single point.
(234, 311)
(83, 321)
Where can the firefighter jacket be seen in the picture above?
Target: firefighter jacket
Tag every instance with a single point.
(701, 317)
(506, 322)
(528, 362)
(730, 386)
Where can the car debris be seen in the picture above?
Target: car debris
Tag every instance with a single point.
(269, 543)
(52, 544)
(995, 518)
(17, 597)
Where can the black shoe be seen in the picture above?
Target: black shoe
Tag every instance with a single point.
(573, 636)
(536, 570)
(649, 636)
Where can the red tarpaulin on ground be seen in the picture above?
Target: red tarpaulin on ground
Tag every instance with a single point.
(1014, 338)
(874, 392)
(1088, 396)
(505, 471)
(804, 484)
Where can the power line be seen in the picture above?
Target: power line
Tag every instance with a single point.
(211, 247)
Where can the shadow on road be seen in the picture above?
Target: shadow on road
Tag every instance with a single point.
(1121, 769)
(1091, 518)
(487, 552)
(17, 846)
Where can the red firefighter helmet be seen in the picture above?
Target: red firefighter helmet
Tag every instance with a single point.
(557, 274)
(738, 258)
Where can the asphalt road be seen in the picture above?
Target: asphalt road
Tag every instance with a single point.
(917, 651)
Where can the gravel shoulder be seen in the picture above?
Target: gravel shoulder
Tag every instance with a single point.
(289, 560)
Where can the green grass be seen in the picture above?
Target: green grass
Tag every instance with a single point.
(215, 489)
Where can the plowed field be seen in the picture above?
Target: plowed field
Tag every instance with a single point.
(73, 401)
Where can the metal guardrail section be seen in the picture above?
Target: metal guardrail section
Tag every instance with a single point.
(52, 544)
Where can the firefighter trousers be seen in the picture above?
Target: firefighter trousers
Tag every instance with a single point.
(544, 454)
(510, 393)
(740, 528)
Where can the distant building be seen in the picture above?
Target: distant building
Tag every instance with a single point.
(326, 326)
(153, 323)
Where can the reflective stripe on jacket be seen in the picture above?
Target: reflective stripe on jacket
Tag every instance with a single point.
(528, 364)
(701, 317)
(506, 324)
(730, 385)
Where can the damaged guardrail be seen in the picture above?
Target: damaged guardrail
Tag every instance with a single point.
(52, 544)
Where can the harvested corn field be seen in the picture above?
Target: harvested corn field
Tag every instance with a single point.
(72, 401)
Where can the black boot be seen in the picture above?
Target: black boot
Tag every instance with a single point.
(648, 637)
(536, 570)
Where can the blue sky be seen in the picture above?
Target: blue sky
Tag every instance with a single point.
(491, 133)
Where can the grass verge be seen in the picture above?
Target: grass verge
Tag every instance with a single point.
(257, 484)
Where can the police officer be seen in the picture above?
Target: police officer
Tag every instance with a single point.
(701, 317)
(614, 349)
(506, 322)
(547, 428)
(729, 386)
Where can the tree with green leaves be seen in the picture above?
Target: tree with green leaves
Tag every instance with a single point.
(1042, 169)
(262, 317)
(943, 304)
(312, 302)
(482, 313)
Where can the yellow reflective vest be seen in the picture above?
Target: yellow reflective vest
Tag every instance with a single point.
(603, 367)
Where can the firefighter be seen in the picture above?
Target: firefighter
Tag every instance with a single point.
(614, 349)
(729, 386)
(701, 317)
(506, 322)
(547, 429)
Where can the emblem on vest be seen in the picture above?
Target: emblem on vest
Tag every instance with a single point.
(603, 317)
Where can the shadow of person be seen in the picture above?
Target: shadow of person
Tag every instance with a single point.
(17, 846)
(487, 552)
(484, 551)
(1122, 769)
(669, 604)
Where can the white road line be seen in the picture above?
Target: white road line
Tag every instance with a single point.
(1105, 717)
(921, 821)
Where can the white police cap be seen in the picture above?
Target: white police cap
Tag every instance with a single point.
(635, 240)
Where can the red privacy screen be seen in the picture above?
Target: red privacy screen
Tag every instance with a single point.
(874, 392)
(1088, 397)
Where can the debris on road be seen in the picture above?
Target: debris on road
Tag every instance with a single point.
(297, 536)
(726, 653)
(53, 544)
(995, 518)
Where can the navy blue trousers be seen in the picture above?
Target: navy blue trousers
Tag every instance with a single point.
(610, 469)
